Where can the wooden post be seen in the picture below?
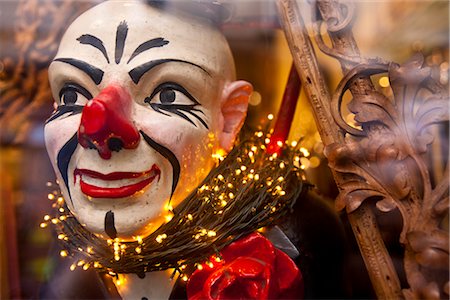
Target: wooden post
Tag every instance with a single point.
(380, 267)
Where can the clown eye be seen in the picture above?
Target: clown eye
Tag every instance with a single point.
(170, 93)
(72, 94)
(167, 96)
(170, 97)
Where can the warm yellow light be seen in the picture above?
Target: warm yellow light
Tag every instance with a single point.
(96, 264)
(256, 177)
(55, 221)
(305, 162)
(280, 179)
(211, 265)
(190, 218)
(304, 151)
(185, 278)
(161, 237)
(80, 263)
(282, 193)
(211, 233)
(270, 117)
(89, 250)
(200, 267)
(243, 168)
(72, 267)
(314, 162)
(63, 253)
(220, 177)
(43, 225)
(217, 259)
(138, 250)
(384, 81)
(86, 266)
(294, 144)
(282, 165)
(50, 196)
(46, 218)
(238, 171)
(223, 203)
(231, 195)
(267, 140)
(61, 236)
(168, 217)
(279, 143)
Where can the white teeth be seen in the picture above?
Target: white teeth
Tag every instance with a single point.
(114, 183)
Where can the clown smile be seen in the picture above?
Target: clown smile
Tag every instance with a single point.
(116, 184)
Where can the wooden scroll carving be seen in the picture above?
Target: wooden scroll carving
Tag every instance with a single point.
(385, 157)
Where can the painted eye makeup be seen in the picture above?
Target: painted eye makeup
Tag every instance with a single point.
(170, 97)
(71, 93)
(72, 98)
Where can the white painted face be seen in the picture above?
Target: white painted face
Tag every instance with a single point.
(144, 97)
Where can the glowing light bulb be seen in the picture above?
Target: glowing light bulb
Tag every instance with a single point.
(63, 253)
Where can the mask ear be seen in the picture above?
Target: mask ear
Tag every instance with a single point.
(234, 106)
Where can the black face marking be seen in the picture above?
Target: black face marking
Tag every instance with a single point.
(153, 43)
(167, 97)
(63, 159)
(169, 156)
(110, 228)
(88, 39)
(121, 36)
(93, 72)
(139, 71)
(144, 298)
(64, 109)
(141, 275)
(68, 96)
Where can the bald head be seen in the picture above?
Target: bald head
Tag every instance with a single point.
(120, 32)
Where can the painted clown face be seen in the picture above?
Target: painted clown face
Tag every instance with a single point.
(143, 99)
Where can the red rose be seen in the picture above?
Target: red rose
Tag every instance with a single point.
(250, 268)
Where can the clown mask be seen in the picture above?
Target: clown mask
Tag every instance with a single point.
(143, 97)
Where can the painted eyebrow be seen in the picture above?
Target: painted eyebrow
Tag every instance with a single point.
(139, 71)
(88, 39)
(93, 72)
(153, 43)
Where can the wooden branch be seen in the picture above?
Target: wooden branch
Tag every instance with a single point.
(376, 257)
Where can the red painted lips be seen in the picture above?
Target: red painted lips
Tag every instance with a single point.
(95, 191)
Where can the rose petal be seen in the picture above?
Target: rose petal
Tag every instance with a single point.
(290, 279)
(252, 245)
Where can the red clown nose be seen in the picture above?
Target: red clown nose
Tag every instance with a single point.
(106, 123)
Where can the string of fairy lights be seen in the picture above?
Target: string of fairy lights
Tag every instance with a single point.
(249, 189)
